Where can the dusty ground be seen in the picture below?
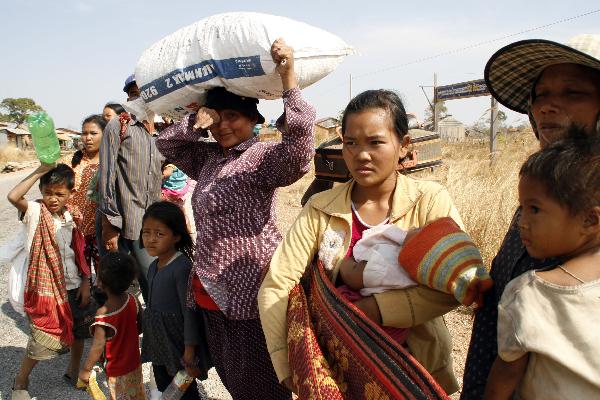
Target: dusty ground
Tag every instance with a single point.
(45, 380)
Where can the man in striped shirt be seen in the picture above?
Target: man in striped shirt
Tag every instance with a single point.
(129, 182)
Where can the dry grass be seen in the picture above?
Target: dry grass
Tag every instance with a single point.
(485, 194)
(11, 153)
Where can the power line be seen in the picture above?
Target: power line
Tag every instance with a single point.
(460, 49)
(469, 47)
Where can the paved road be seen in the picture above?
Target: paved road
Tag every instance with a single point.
(45, 380)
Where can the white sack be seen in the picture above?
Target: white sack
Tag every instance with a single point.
(231, 50)
(15, 253)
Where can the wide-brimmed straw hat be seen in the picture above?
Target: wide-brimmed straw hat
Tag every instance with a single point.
(511, 72)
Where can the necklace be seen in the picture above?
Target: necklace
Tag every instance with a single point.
(566, 271)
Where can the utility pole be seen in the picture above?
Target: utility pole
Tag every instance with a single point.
(435, 105)
(493, 127)
(350, 87)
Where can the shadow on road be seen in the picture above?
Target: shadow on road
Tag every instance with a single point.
(20, 320)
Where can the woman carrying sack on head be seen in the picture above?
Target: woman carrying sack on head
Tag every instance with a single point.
(234, 210)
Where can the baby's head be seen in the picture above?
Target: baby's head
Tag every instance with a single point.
(559, 195)
(56, 187)
(116, 273)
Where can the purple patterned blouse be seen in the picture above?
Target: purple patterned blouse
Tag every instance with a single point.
(234, 201)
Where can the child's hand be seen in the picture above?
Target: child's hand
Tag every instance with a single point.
(46, 167)
(77, 216)
(193, 372)
(205, 118)
(85, 376)
(190, 363)
(83, 293)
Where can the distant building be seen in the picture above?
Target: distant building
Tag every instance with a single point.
(451, 130)
(68, 138)
(14, 135)
(325, 128)
(269, 134)
(20, 137)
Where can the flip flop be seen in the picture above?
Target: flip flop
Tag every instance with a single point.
(20, 394)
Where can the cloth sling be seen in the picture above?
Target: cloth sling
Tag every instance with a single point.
(335, 352)
(45, 301)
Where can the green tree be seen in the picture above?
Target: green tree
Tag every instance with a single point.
(17, 110)
(429, 112)
(501, 117)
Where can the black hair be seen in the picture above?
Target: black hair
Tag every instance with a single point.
(61, 174)
(568, 170)
(115, 107)
(173, 217)
(219, 98)
(117, 271)
(93, 119)
(384, 99)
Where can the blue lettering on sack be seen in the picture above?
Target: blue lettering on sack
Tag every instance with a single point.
(230, 68)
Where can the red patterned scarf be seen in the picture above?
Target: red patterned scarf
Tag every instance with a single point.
(46, 301)
(124, 119)
(335, 352)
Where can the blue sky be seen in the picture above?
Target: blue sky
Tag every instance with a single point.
(72, 56)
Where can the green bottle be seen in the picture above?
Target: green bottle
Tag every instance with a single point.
(44, 137)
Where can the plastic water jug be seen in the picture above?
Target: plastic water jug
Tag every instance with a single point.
(44, 137)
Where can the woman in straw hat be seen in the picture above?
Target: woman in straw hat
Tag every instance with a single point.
(558, 87)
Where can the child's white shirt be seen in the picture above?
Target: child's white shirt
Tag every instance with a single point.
(379, 247)
(63, 236)
(558, 327)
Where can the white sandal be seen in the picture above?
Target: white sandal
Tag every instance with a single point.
(20, 394)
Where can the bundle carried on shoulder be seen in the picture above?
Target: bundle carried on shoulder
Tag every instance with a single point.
(232, 50)
(443, 257)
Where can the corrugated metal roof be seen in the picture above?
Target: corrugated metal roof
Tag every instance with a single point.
(17, 131)
(327, 123)
(450, 121)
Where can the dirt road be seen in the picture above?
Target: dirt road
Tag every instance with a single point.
(46, 379)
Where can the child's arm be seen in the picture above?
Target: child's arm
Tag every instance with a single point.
(191, 322)
(83, 292)
(351, 273)
(17, 195)
(95, 352)
(504, 378)
(189, 361)
(140, 313)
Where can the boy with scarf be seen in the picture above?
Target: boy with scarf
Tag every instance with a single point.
(57, 285)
